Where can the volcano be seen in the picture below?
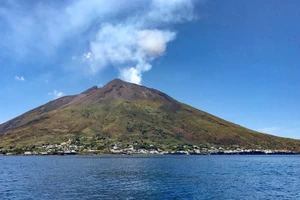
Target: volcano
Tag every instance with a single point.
(122, 112)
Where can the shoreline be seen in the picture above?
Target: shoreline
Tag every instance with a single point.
(153, 154)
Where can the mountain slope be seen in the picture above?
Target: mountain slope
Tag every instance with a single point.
(129, 113)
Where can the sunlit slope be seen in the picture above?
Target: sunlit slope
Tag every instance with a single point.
(128, 113)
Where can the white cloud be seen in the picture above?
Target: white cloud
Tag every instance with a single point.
(56, 94)
(127, 36)
(19, 78)
(269, 130)
(171, 11)
(86, 57)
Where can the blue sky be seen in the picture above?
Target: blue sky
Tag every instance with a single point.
(238, 60)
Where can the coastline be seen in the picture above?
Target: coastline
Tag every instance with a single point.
(156, 154)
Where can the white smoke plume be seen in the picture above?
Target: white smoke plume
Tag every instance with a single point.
(132, 43)
(127, 47)
(127, 35)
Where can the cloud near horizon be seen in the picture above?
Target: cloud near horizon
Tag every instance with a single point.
(56, 94)
(116, 34)
(269, 130)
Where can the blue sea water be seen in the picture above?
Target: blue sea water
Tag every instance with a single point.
(149, 177)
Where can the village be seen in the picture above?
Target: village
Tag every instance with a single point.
(69, 148)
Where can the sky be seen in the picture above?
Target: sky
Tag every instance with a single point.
(238, 60)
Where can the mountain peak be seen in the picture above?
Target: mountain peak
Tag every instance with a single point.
(116, 81)
(118, 89)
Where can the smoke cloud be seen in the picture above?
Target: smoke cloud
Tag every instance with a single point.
(129, 48)
(134, 42)
(126, 35)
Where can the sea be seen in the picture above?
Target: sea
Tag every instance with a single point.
(150, 177)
